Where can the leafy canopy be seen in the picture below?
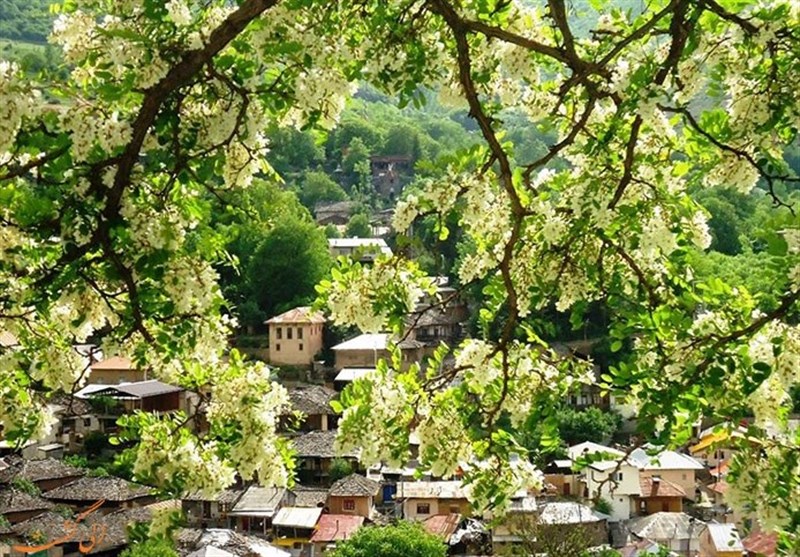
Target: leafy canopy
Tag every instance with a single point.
(107, 201)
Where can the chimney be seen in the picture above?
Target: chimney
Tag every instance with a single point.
(656, 483)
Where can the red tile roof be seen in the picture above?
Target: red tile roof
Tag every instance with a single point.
(761, 544)
(444, 525)
(336, 527)
(660, 487)
(721, 470)
(302, 314)
(114, 363)
(720, 487)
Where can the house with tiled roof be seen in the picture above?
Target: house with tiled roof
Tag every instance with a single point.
(295, 336)
(45, 474)
(114, 370)
(211, 511)
(17, 505)
(354, 495)
(659, 495)
(115, 493)
(314, 403)
(314, 452)
(366, 350)
(761, 544)
(672, 466)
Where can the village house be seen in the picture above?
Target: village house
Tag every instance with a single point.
(115, 369)
(568, 518)
(45, 474)
(671, 466)
(314, 453)
(17, 505)
(337, 213)
(354, 495)
(75, 418)
(309, 496)
(334, 528)
(614, 478)
(363, 250)
(314, 402)
(390, 173)
(149, 396)
(256, 508)
(521, 517)
(293, 528)
(715, 444)
(115, 493)
(678, 532)
(721, 540)
(211, 511)
(659, 495)
(420, 500)
(295, 337)
(365, 350)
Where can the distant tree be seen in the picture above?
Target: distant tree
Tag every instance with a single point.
(553, 540)
(154, 547)
(357, 154)
(332, 232)
(293, 151)
(290, 260)
(358, 227)
(591, 424)
(404, 539)
(318, 187)
(403, 139)
(340, 468)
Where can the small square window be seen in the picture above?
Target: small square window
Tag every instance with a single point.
(279, 333)
(87, 422)
(423, 508)
(349, 505)
(301, 347)
(300, 333)
(277, 348)
(618, 477)
(289, 333)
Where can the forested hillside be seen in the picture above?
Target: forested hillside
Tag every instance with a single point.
(25, 20)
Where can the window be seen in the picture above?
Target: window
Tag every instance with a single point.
(300, 333)
(684, 476)
(454, 509)
(87, 422)
(289, 333)
(618, 477)
(277, 347)
(279, 333)
(423, 508)
(301, 347)
(349, 505)
(206, 509)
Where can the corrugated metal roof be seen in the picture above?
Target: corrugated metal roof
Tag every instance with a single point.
(664, 460)
(336, 527)
(725, 537)
(367, 341)
(297, 517)
(352, 373)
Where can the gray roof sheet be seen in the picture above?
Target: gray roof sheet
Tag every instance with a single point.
(259, 501)
(725, 537)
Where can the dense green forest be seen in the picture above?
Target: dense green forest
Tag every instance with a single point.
(25, 20)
